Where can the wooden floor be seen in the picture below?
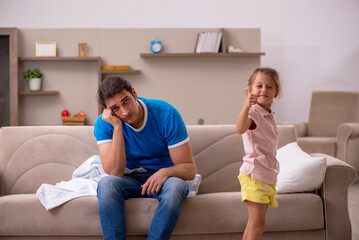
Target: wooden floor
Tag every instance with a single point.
(354, 208)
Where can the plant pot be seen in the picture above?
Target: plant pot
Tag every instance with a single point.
(35, 84)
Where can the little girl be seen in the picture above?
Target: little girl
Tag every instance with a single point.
(258, 173)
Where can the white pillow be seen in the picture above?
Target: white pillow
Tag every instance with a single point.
(299, 172)
(194, 185)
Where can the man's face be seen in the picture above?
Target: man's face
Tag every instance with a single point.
(124, 105)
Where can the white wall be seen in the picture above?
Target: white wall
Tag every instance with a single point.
(313, 44)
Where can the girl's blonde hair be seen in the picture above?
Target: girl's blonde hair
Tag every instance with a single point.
(271, 72)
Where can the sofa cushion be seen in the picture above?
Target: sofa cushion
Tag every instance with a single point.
(76, 217)
(229, 215)
(23, 214)
(299, 172)
(326, 145)
(35, 155)
(218, 152)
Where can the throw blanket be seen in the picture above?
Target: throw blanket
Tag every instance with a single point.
(84, 183)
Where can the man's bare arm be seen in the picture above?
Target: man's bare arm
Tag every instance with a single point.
(184, 167)
(113, 154)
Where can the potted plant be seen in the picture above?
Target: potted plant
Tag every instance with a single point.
(34, 77)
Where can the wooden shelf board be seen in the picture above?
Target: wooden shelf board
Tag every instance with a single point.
(119, 72)
(38, 93)
(166, 55)
(59, 58)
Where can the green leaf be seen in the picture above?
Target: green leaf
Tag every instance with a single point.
(28, 74)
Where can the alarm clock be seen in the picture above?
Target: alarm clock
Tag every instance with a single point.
(156, 46)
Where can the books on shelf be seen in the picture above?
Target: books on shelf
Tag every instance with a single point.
(208, 42)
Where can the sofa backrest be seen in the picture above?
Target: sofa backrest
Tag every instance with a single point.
(30, 156)
(328, 109)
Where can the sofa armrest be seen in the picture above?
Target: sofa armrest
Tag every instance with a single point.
(300, 127)
(338, 177)
(348, 142)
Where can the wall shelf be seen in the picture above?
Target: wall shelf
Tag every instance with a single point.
(66, 59)
(97, 60)
(178, 55)
(38, 93)
(120, 72)
(47, 59)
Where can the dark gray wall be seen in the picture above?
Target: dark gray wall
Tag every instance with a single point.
(4, 82)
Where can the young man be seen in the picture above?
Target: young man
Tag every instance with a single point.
(145, 149)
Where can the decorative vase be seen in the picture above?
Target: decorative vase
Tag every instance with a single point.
(35, 84)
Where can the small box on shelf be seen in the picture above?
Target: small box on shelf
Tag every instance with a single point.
(115, 67)
(74, 121)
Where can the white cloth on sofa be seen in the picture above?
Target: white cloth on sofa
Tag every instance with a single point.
(84, 183)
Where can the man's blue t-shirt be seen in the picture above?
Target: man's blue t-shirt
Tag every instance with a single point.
(163, 128)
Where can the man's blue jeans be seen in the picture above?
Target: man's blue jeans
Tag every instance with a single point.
(112, 192)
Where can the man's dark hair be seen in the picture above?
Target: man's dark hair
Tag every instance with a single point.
(110, 86)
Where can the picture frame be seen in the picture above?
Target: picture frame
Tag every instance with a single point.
(45, 49)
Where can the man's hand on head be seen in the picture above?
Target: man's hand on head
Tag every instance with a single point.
(111, 118)
(155, 182)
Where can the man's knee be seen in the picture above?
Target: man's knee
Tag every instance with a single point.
(109, 185)
(176, 186)
(106, 182)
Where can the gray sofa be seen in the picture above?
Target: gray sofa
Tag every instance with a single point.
(30, 156)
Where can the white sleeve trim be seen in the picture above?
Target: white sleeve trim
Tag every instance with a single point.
(179, 144)
(104, 141)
